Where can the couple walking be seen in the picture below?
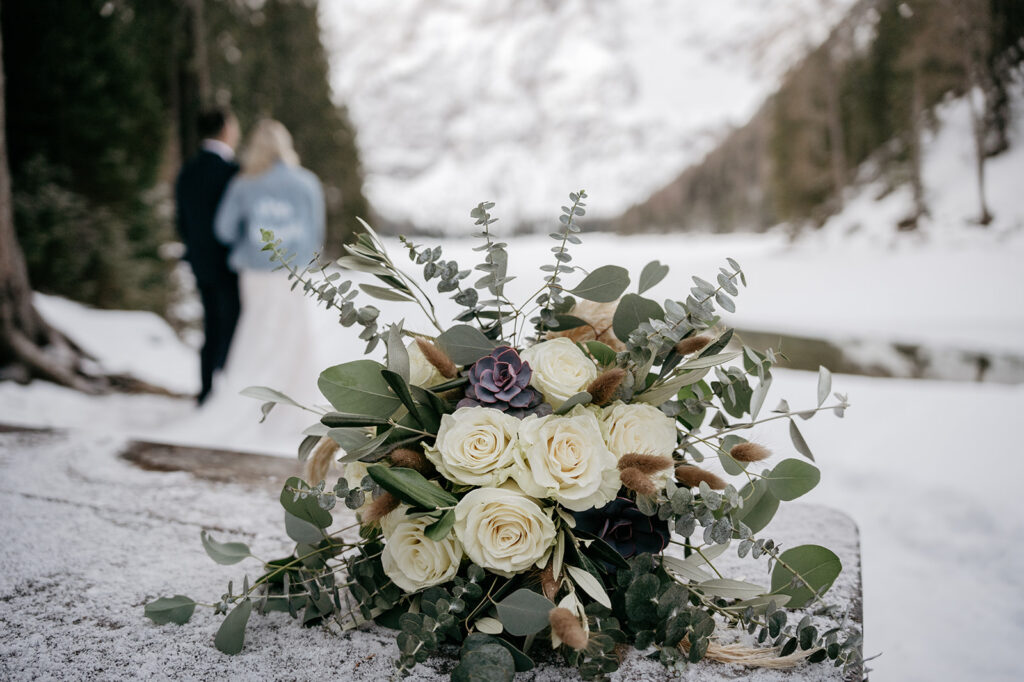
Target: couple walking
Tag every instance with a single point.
(255, 328)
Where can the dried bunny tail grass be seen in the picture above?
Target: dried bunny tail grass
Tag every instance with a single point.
(604, 386)
(567, 627)
(319, 462)
(548, 583)
(637, 481)
(692, 344)
(692, 476)
(648, 464)
(749, 452)
(598, 327)
(738, 654)
(437, 358)
(379, 508)
(410, 459)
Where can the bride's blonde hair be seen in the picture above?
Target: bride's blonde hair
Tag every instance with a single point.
(269, 143)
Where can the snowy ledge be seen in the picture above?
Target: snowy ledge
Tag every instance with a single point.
(96, 526)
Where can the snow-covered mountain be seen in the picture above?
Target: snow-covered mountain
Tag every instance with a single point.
(523, 101)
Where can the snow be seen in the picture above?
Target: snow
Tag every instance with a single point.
(88, 540)
(522, 101)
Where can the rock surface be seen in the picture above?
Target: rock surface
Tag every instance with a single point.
(94, 527)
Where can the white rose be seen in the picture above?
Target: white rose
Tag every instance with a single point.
(474, 446)
(560, 369)
(565, 458)
(413, 561)
(421, 372)
(503, 530)
(641, 429)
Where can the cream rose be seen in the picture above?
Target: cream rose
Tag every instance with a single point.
(413, 561)
(503, 530)
(421, 372)
(565, 458)
(641, 429)
(474, 446)
(560, 369)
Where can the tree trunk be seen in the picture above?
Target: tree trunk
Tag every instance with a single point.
(836, 138)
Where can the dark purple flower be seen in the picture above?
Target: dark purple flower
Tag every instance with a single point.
(502, 380)
(627, 529)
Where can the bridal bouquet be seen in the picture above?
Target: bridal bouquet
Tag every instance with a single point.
(518, 476)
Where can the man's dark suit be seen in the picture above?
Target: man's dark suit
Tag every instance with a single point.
(198, 192)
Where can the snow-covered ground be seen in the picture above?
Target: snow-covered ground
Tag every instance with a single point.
(520, 101)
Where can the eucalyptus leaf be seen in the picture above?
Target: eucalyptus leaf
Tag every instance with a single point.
(792, 478)
(357, 387)
(269, 395)
(177, 609)
(488, 625)
(224, 553)
(602, 353)
(681, 568)
(464, 344)
(659, 393)
(581, 398)
(398, 355)
(798, 441)
(632, 311)
(300, 530)
(652, 273)
(306, 508)
(710, 360)
(759, 505)
(824, 385)
(603, 285)
(361, 264)
(817, 565)
(231, 636)
(524, 612)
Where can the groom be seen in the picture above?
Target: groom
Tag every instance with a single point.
(198, 192)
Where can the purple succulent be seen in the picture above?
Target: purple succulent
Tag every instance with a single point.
(502, 380)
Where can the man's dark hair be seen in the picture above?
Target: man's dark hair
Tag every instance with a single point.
(212, 121)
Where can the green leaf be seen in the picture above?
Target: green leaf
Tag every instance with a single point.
(652, 273)
(711, 360)
(307, 508)
(489, 662)
(798, 441)
(524, 612)
(581, 398)
(589, 584)
(681, 568)
(307, 445)
(659, 393)
(602, 353)
(464, 344)
(398, 355)
(731, 465)
(269, 395)
(631, 312)
(824, 385)
(640, 600)
(401, 389)
(385, 294)
(225, 553)
(760, 604)
(301, 531)
(357, 387)
(791, 478)
(343, 420)
(603, 285)
(439, 530)
(231, 636)
(177, 609)
(566, 322)
(410, 486)
(489, 626)
(817, 565)
(476, 639)
(731, 589)
(759, 505)
(360, 264)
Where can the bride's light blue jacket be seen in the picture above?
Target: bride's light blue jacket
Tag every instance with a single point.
(287, 200)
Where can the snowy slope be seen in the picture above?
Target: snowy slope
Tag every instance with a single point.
(521, 101)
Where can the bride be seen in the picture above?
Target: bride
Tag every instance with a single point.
(271, 345)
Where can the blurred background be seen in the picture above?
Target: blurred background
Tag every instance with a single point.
(862, 159)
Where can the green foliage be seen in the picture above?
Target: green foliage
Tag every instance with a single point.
(357, 387)
(225, 553)
(410, 486)
(231, 635)
(177, 609)
(524, 612)
(464, 344)
(805, 573)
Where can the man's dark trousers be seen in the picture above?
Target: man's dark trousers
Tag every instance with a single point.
(198, 192)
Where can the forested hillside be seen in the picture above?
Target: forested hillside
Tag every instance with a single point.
(101, 102)
(855, 109)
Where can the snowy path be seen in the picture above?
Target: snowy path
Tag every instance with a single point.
(89, 539)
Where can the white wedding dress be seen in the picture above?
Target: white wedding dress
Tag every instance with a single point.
(273, 346)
